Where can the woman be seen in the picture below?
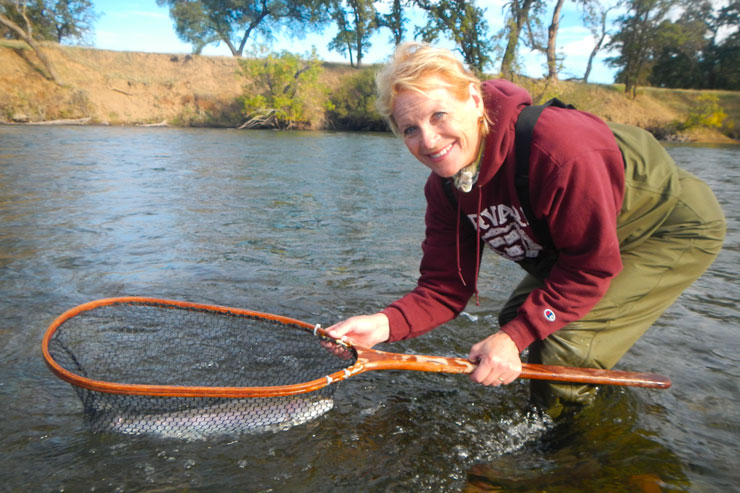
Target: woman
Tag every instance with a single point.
(630, 230)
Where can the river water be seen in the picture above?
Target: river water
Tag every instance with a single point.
(321, 226)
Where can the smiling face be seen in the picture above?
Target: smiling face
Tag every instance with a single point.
(440, 130)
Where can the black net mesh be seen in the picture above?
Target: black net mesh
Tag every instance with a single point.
(160, 344)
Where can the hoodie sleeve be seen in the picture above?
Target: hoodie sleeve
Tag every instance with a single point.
(439, 295)
(578, 186)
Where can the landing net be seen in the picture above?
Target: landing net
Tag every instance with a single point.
(192, 371)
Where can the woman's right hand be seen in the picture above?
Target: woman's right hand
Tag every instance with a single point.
(363, 330)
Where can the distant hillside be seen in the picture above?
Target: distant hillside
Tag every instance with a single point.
(125, 88)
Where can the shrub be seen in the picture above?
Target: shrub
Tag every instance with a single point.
(705, 111)
(282, 90)
(730, 129)
(352, 104)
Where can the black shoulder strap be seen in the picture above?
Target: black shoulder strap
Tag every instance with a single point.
(522, 146)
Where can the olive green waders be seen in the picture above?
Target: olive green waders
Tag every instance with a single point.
(670, 229)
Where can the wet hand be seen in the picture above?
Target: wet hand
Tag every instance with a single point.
(363, 330)
(497, 357)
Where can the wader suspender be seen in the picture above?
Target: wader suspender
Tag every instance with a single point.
(522, 146)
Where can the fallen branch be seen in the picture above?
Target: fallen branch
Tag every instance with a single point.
(122, 92)
(78, 121)
(262, 119)
(163, 123)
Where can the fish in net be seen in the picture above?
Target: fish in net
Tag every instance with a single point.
(193, 371)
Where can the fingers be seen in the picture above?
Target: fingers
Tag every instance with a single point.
(347, 328)
(364, 330)
(498, 360)
(495, 372)
(338, 330)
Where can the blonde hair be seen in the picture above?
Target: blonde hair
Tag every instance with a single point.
(412, 67)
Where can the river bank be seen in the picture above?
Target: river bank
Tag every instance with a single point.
(102, 87)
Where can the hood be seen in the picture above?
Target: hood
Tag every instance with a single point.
(503, 101)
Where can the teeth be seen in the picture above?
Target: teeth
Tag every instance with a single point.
(441, 153)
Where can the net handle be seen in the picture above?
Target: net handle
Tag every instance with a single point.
(371, 359)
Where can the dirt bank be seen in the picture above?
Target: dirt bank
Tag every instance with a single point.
(127, 88)
(115, 88)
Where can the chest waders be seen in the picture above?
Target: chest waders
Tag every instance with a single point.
(670, 229)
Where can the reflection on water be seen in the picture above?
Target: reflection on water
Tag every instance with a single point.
(319, 226)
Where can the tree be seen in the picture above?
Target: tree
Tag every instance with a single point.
(725, 71)
(516, 19)
(700, 49)
(595, 20)
(52, 20)
(24, 30)
(552, 34)
(395, 21)
(678, 61)
(594, 17)
(721, 59)
(638, 40)
(71, 19)
(202, 22)
(356, 21)
(20, 14)
(464, 23)
(550, 47)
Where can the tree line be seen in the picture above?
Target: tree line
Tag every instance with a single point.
(665, 43)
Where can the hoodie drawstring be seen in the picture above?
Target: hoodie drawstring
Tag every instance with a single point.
(457, 245)
(477, 245)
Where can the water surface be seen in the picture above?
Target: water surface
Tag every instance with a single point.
(321, 226)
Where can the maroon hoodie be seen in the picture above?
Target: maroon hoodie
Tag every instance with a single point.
(576, 185)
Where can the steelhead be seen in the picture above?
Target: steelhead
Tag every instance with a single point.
(230, 417)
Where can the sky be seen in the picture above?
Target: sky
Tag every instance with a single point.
(141, 25)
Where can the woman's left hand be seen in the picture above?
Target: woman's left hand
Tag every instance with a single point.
(497, 357)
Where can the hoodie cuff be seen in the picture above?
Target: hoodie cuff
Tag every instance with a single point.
(397, 323)
(519, 333)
